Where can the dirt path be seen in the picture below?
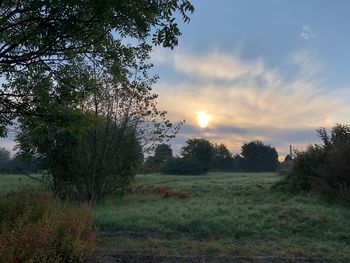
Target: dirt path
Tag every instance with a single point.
(125, 258)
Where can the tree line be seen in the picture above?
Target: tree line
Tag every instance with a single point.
(16, 165)
(198, 156)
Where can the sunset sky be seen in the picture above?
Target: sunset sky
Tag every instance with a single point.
(273, 70)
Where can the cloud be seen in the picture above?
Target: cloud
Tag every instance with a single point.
(248, 100)
(308, 64)
(214, 66)
(307, 32)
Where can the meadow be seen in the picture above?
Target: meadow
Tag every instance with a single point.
(227, 214)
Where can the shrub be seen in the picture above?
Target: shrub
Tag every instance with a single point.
(304, 170)
(87, 159)
(333, 180)
(34, 227)
(163, 191)
(183, 166)
(323, 169)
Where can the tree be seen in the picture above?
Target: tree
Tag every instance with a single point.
(154, 163)
(4, 159)
(258, 157)
(340, 134)
(78, 84)
(200, 150)
(93, 147)
(37, 30)
(163, 152)
(238, 163)
(51, 40)
(222, 158)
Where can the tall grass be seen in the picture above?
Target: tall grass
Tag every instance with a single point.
(235, 214)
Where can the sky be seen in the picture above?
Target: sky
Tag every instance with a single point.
(273, 70)
(269, 70)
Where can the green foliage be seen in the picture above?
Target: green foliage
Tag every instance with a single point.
(91, 141)
(155, 163)
(222, 159)
(183, 166)
(333, 174)
(17, 165)
(163, 152)
(200, 150)
(34, 227)
(56, 42)
(36, 29)
(304, 168)
(87, 157)
(323, 168)
(259, 157)
(4, 160)
(237, 165)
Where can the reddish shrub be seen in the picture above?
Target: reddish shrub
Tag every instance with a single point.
(34, 227)
(165, 192)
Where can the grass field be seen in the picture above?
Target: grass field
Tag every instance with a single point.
(221, 214)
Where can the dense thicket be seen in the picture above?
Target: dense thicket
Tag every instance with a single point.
(324, 169)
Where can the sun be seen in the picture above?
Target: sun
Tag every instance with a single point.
(203, 119)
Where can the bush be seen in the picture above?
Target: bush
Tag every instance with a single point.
(323, 169)
(304, 170)
(333, 180)
(34, 227)
(183, 166)
(87, 159)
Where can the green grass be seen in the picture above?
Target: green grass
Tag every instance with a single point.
(14, 182)
(226, 214)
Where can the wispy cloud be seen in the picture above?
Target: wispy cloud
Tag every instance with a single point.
(249, 95)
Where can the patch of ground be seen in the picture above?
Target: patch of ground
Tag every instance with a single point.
(125, 258)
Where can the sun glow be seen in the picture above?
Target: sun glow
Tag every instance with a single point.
(203, 119)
